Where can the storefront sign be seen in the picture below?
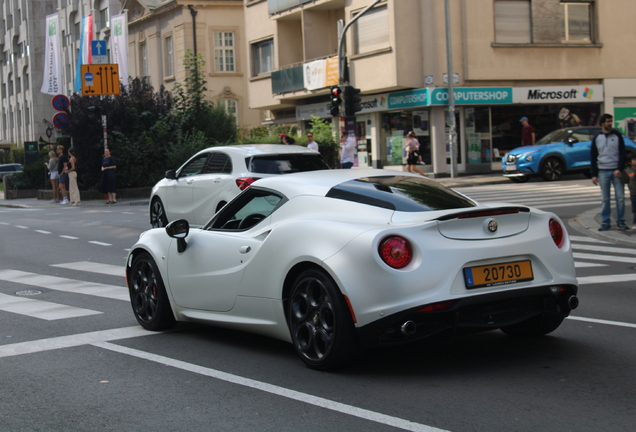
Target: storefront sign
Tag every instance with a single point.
(409, 99)
(473, 96)
(368, 103)
(558, 94)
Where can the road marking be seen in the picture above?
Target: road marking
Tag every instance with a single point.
(22, 227)
(587, 239)
(628, 251)
(272, 389)
(99, 243)
(70, 341)
(66, 285)
(69, 237)
(88, 266)
(607, 279)
(610, 258)
(600, 321)
(42, 232)
(578, 264)
(41, 309)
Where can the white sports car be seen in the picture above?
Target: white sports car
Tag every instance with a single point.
(335, 261)
(212, 177)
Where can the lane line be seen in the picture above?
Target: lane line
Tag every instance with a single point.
(628, 251)
(69, 237)
(22, 227)
(607, 279)
(600, 321)
(93, 267)
(41, 309)
(578, 264)
(42, 232)
(609, 258)
(273, 389)
(587, 239)
(66, 285)
(74, 340)
(95, 242)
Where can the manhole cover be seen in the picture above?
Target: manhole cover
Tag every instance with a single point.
(28, 293)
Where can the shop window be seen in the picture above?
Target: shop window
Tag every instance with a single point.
(262, 57)
(576, 26)
(512, 22)
(371, 31)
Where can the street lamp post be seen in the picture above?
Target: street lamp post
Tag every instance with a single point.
(452, 135)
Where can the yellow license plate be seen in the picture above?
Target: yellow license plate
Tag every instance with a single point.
(498, 274)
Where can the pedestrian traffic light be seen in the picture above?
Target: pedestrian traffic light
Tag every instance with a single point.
(336, 101)
(351, 101)
(95, 113)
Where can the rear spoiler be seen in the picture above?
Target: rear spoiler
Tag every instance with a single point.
(484, 213)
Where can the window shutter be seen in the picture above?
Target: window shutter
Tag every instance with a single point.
(512, 22)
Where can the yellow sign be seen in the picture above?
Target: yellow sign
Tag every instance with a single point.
(332, 72)
(100, 79)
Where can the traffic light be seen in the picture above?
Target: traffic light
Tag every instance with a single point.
(95, 113)
(351, 101)
(336, 101)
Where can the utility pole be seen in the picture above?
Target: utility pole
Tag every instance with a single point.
(452, 135)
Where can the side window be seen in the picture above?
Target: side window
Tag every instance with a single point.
(195, 166)
(218, 163)
(582, 135)
(251, 207)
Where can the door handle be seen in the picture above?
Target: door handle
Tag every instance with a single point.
(245, 249)
(190, 181)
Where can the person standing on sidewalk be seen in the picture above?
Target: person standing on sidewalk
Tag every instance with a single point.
(54, 176)
(528, 137)
(607, 161)
(72, 178)
(347, 150)
(62, 166)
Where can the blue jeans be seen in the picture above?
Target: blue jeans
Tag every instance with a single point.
(606, 178)
(347, 165)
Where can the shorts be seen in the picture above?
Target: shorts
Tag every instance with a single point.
(54, 175)
(64, 179)
(413, 158)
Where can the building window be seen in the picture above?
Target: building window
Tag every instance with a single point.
(262, 57)
(18, 85)
(76, 31)
(143, 58)
(512, 22)
(103, 18)
(576, 26)
(371, 31)
(10, 85)
(26, 79)
(224, 51)
(231, 107)
(169, 57)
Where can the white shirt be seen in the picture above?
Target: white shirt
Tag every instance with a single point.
(313, 146)
(348, 150)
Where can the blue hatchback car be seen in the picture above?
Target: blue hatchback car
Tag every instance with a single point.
(562, 151)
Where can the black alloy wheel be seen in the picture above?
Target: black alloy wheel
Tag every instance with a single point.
(320, 323)
(158, 217)
(148, 294)
(552, 169)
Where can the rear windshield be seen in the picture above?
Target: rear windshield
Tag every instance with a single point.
(401, 193)
(285, 164)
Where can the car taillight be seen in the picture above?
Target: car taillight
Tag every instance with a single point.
(245, 182)
(395, 251)
(436, 307)
(556, 231)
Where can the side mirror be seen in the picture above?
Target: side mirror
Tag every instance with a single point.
(179, 229)
(571, 140)
(171, 174)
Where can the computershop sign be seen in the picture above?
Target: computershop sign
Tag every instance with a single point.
(473, 96)
(558, 94)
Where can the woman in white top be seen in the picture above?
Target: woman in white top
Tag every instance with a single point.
(72, 178)
(53, 175)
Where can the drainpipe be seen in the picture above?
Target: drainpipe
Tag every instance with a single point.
(194, 27)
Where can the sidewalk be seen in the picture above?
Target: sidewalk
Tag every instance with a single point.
(587, 223)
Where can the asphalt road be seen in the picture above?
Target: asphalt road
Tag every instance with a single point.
(81, 363)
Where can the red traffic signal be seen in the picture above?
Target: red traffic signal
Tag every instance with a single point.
(336, 101)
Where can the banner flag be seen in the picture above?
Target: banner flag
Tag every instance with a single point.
(84, 57)
(119, 41)
(52, 79)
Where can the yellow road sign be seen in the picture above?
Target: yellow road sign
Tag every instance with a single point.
(100, 79)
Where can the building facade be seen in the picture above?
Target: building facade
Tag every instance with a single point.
(158, 35)
(559, 63)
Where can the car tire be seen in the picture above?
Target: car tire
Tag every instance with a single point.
(320, 323)
(148, 295)
(158, 217)
(552, 169)
(536, 326)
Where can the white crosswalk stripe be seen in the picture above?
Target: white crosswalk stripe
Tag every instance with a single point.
(41, 309)
(66, 285)
(93, 267)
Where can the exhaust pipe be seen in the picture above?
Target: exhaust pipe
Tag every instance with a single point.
(573, 302)
(408, 328)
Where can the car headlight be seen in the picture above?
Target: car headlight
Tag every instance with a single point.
(528, 156)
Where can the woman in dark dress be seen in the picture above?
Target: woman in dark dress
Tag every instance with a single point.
(107, 183)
